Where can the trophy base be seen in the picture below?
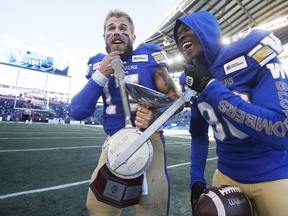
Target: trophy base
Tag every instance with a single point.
(115, 191)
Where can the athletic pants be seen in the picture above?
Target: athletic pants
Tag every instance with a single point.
(268, 198)
(157, 201)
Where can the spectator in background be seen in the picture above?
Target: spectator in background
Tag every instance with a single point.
(26, 116)
(182, 81)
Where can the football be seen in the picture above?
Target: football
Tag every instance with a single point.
(223, 200)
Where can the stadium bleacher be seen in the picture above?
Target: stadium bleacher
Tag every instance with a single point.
(60, 110)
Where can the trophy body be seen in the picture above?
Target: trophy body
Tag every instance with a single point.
(129, 152)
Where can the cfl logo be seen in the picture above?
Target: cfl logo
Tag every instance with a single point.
(189, 80)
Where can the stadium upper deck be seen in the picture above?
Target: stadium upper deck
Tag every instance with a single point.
(235, 17)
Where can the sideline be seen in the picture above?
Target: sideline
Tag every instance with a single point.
(73, 184)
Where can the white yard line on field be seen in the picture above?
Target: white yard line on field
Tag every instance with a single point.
(73, 184)
(67, 148)
(43, 189)
(47, 149)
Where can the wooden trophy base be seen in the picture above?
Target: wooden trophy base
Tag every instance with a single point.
(115, 191)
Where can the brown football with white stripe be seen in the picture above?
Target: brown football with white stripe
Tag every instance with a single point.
(223, 201)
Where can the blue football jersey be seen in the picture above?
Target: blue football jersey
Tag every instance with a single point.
(248, 68)
(140, 68)
(245, 105)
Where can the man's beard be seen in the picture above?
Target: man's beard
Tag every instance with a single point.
(127, 52)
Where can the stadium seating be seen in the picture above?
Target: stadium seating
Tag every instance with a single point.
(60, 110)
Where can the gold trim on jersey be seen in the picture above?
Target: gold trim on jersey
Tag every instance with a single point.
(159, 57)
(261, 54)
(269, 48)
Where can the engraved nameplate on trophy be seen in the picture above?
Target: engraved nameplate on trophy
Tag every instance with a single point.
(115, 191)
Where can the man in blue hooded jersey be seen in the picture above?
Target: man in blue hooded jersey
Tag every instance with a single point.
(242, 94)
(147, 66)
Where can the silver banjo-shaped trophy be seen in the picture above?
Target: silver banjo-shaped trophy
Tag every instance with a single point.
(148, 97)
(129, 152)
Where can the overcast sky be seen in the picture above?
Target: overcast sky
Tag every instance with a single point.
(72, 30)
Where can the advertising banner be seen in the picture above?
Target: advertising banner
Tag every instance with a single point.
(32, 61)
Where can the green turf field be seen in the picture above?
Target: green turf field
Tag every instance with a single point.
(45, 169)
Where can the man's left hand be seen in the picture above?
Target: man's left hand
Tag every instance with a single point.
(197, 189)
(144, 117)
(197, 76)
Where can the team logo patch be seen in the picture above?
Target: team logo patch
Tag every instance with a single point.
(189, 80)
(140, 58)
(235, 65)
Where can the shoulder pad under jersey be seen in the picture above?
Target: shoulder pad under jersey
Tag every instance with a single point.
(93, 64)
(155, 50)
(261, 45)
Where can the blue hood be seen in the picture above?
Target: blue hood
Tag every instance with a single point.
(207, 29)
